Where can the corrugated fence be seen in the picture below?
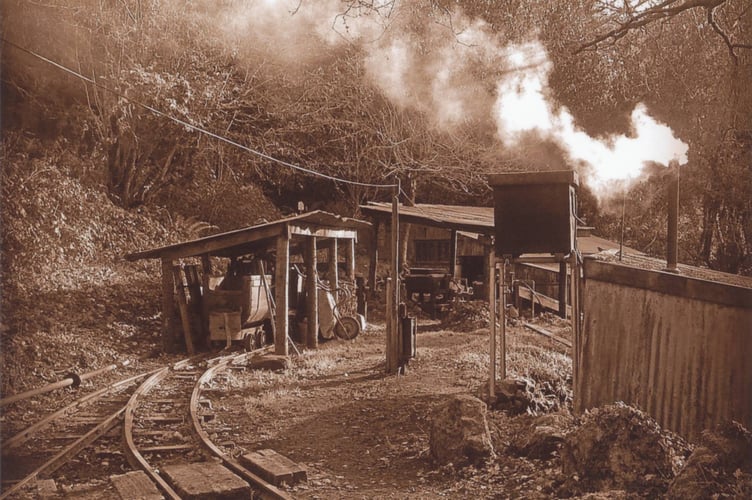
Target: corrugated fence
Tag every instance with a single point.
(676, 347)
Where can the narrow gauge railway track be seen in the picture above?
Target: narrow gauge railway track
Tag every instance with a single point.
(162, 425)
(50, 443)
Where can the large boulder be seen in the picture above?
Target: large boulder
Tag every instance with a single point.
(720, 466)
(459, 432)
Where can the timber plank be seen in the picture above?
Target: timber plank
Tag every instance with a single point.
(135, 485)
(274, 468)
(202, 480)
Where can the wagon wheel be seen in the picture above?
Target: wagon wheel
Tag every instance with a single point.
(249, 342)
(347, 327)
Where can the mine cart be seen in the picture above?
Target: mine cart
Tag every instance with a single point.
(429, 289)
(239, 310)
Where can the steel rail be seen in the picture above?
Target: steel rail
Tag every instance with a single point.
(269, 489)
(135, 458)
(70, 379)
(28, 432)
(68, 452)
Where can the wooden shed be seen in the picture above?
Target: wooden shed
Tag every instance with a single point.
(271, 246)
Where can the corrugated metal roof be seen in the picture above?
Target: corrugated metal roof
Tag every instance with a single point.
(478, 220)
(472, 219)
(253, 235)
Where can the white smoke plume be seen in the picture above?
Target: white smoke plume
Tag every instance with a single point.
(456, 73)
(523, 107)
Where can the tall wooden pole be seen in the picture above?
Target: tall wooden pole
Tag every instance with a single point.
(491, 265)
(503, 323)
(672, 242)
(206, 272)
(334, 266)
(392, 348)
(563, 289)
(574, 272)
(350, 259)
(374, 259)
(282, 292)
(312, 304)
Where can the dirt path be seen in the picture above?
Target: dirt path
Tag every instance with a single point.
(360, 433)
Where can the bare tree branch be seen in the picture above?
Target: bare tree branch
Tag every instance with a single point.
(635, 20)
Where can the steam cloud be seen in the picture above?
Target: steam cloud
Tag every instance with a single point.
(458, 74)
(522, 108)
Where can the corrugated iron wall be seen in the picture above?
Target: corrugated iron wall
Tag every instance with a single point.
(687, 361)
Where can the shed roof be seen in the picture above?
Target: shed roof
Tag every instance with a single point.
(476, 220)
(472, 219)
(261, 236)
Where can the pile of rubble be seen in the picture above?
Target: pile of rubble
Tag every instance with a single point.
(466, 316)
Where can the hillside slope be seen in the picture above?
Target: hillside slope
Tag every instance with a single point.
(70, 302)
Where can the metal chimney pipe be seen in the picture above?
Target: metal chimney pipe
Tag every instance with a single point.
(672, 243)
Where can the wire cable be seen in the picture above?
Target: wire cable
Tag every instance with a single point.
(195, 127)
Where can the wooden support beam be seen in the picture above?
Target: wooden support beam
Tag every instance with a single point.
(281, 292)
(185, 318)
(322, 232)
(491, 287)
(563, 289)
(210, 244)
(392, 310)
(206, 272)
(350, 259)
(574, 283)
(544, 301)
(453, 254)
(374, 259)
(333, 266)
(312, 302)
(168, 306)
(502, 299)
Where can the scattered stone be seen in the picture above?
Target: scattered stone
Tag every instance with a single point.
(543, 437)
(459, 432)
(721, 466)
(46, 488)
(513, 395)
(272, 362)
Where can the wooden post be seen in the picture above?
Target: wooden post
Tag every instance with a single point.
(503, 323)
(206, 272)
(185, 318)
(391, 358)
(574, 275)
(312, 303)
(393, 337)
(563, 289)
(168, 306)
(453, 254)
(374, 259)
(334, 266)
(350, 259)
(491, 285)
(281, 292)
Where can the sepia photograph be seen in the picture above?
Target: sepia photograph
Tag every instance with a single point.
(375, 249)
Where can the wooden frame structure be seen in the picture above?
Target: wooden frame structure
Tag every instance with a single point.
(480, 220)
(296, 235)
